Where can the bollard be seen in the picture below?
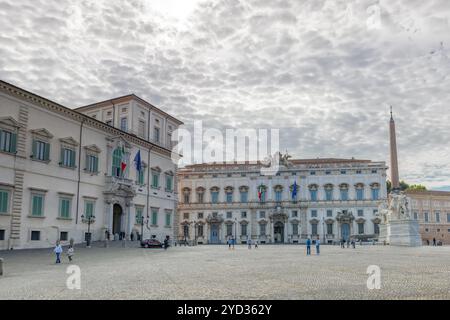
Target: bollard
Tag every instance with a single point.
(1, 266)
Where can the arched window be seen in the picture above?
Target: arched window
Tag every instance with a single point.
(359, 191)
(214, 194)
(344, 191)
(116, 162)
(375, 191)
(313, 192)
(229, 194)
(278, 193)
(328, 192)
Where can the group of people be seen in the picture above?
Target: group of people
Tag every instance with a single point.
(308, 246)
(59, 250)
(232, 241)
(349, 242)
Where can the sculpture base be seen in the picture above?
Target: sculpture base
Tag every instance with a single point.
(384, 234)
(404, 233)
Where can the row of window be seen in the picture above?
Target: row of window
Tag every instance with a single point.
(263, 229)
(262, 214)
(312, 173)
(426, 217)
(261, 194)
(41, 152)
(154, 218)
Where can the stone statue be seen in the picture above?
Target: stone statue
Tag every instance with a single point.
(384, 213)
(399, 206)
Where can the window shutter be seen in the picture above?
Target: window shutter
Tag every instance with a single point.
(87, 164)
(34, 148)
(95, 164)
(47, 151)
(1, 140)
(13, 142)
(72, 158)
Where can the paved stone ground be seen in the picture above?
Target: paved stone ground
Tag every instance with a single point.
(214, 272)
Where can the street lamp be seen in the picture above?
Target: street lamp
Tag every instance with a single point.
(235, 231)
(195, 232)
(90, 218)
(323, 229)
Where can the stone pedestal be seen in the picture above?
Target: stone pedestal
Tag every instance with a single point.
(384, 233)
(404, 232)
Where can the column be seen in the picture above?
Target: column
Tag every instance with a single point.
(304, 222)
(109, 217)
(131, 219)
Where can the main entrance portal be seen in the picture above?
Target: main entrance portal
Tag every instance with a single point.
(278, 232)
(117, 219)
(345, 231)
(214, 233)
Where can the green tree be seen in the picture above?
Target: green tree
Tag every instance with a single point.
(417, 187)
(404, 186)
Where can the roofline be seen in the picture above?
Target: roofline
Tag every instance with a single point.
(86, 117)
(129, 96)
(429, 192)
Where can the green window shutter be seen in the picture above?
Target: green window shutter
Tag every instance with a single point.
(1, 140)
(72, 158)
(167, 219)
(47, 151)
(95, 164)
(13, 148)
(88, 165)
(154, 217)
(3, 201)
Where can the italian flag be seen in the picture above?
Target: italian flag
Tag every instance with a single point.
(260, 191)
(123, 164)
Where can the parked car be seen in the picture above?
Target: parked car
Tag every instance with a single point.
(151, 243)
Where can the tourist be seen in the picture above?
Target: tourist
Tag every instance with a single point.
(229, 243)
(249, 242)
(308, 246)
(342, 243)
(58, 249)
(70, 252)
(256, 244)
(234, 241)
(354, 243)
(166, 242)
(317, 247)
(434, 242)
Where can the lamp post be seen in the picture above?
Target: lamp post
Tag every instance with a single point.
(195, 232)
(235, 231)
(90, 218)
(323, 229)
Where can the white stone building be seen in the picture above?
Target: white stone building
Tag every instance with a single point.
(335, 198)
(59, 166)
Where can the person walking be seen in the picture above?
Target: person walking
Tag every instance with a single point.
(229, 243)
(342, 243)
(308, 247)
(434, 242)
(249, 242)
(317, 247)
(58, 249)
(234, 241)
(256, 244)
(166, 242)
(70, 252)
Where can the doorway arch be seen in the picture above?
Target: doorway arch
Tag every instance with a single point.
(117, 219)
(278, 232)
(345, 230)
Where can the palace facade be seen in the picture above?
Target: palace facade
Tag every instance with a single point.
(432, 209)
(68, 173)
(336, 198)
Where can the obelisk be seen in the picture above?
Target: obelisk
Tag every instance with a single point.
(395, 181)
(399, 229)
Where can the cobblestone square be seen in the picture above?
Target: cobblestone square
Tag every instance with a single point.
(214, 272)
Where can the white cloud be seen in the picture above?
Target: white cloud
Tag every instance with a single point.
(324, 71)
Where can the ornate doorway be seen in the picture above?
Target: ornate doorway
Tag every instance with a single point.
(214, 236)
(345, 231)
(117, 219)
(278, 232)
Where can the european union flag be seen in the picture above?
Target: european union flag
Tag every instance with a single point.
(294, 190)
(137, 160)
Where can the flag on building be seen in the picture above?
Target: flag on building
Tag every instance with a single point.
(123, 164)
(294, 190)
(137, 161)
(260, 192)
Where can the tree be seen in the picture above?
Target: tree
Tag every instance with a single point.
(404, 186)
(417, 187)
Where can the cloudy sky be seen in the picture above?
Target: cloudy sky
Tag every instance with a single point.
(324, 72)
